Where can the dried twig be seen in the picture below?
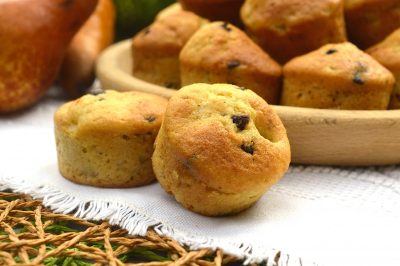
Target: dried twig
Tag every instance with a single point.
(31, 234)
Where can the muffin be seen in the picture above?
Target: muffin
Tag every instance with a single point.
(225, 10)
(156, 49)
(387, 53)
(370, 21)
(220, 147)
(221, 53)
(337, 76)
(106, 140)
(288, 28)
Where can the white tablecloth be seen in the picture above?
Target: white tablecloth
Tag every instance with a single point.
(331, 216)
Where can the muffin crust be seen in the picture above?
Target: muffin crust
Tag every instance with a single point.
(337, 76)
(221, 53)
(107, 140)
(219, 148)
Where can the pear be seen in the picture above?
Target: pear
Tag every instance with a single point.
(77, 69)
(34, 36)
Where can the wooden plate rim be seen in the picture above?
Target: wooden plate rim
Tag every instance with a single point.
(109, 54)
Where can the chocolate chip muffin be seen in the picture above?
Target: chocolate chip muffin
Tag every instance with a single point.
(216, 10)
(221, 53)
(156, 49)
(106, 140)
(387, 53)
(220, 147)
(370, 21)
(288, 28)
(337, 76)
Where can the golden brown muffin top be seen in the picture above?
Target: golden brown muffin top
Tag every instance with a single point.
(169, 33)
(281, 15)
(119, 112)
(220, 45)
(229, 138)
(387, 52)
(342, 61)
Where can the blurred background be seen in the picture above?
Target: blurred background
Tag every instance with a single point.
(134, 15)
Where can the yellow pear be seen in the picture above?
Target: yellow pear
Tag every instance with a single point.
(77, 70)
(34, 36)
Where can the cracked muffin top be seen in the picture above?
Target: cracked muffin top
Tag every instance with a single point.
(221, 53)
(129, 112)
(338, 76)
(229, 136)
(169, 33)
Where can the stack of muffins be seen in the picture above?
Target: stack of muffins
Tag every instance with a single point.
(217, 145)
(216, 148)
(311, 53)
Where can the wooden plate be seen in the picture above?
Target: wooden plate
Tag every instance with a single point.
(321, 137)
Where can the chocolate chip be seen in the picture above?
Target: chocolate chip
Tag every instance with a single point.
(331, 51)
(233, 64)
(226, 27)
(247, 148)
(241, 121)
(189, 161)
(125, 137)
(357, 77)
(358, 80)
(170, 85)
(150, 118)
(146, 30)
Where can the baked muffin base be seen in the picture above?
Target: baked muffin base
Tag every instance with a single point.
(121, 161)
(189, 191)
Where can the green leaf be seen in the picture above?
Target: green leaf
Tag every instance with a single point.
(67, 261)
(19, 230)
(209, 258)
(82, 263)
(123, 258)
(50, 247)
(98, 245)
(50, 261)
(144, 253)
(59, 229)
